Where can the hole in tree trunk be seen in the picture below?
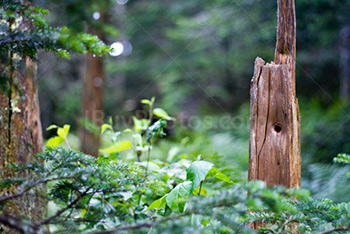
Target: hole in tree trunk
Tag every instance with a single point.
(278, 127)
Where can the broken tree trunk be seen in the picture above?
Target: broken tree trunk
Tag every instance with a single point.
(274, 144)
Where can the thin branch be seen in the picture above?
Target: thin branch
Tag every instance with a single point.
(20, 226)
(140, 225)
(335, 230)
(58, 213)
(66, 141)
(2, 199)
(107, 203)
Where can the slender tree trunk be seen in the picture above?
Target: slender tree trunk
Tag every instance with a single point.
(345, 62)
(93, 104)
(20, 136)
(93, 91)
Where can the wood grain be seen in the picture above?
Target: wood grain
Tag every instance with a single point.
(274, 126)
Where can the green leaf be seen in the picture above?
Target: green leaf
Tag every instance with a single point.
(151, 165)
(197, 172)
(203, 191)
(153, 99)
(205, 222)
(83, 212)
(137, 139)
(157, 129)
(215, 173)
(104, 127)
(175, 198)
(342, 158)
(53, 126)
(54, 141)
(157, 204)
(140, 124)
(63, 132)
(145, 101)
(161, 114)
(117, 147)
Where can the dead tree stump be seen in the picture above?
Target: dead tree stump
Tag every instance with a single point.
(274, 144)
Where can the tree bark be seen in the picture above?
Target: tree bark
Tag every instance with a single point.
(20, 136)
(93, 90)
(93, 104)
(274, 145)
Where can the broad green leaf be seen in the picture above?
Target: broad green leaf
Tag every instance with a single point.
(151, 165)
(140, 124)
(117, 147)
(137, 138)
(161, 114)
(127, 195)
(175, 198)
(63, 132)
(203, 191)
(214, 172)
(104, 127)
(54, 141)
(157, 204)
(52, 126)
(83, 212)
(197, 172)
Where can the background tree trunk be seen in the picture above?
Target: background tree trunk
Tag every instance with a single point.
(93, 95)
(345, 62)
(20, 136)
(93, 91)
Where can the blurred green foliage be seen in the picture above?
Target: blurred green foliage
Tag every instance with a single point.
(197, 58)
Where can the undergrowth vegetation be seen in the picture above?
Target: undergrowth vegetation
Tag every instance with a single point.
(132, 188)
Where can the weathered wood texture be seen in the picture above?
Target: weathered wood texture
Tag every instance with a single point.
(286, 33)
(274, 126)
(285, 50)
(274, 146)
(20, 137)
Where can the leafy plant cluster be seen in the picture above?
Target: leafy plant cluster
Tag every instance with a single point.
(95, 195)
(24, 31)
(126, 190)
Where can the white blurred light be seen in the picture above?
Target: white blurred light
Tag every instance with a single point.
(117, 49)
(96, 15)
(122, 2)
